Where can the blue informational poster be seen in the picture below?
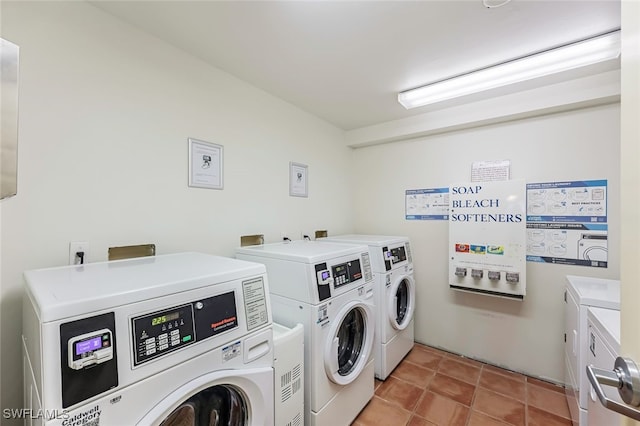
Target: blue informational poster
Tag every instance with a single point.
(427, 204)
(567, 223)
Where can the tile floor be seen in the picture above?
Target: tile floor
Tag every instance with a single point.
(432, 387)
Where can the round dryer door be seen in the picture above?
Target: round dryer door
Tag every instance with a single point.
(349, 343)
(401, 302)
(215, 400)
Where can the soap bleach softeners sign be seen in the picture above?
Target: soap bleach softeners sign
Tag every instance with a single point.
(487, 238)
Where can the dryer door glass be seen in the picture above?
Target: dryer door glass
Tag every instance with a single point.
(351, 336)
(215, 406)
(402, 301)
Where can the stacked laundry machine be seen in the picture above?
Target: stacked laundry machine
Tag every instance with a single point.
(183, 339)
(394, 297)
(328, 288)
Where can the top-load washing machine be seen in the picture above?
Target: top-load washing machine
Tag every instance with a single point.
(328, 288)
(182, 339)
(582, 293)
(394, 296)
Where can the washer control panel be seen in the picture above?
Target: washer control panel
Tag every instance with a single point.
(158, 333)
(393, 255)
(346, 273)
(163, 331)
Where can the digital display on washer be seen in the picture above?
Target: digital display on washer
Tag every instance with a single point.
(346, 273)
(88, 345)
(164, 318)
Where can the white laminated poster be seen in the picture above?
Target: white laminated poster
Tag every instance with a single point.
(487, 238)
(427, 204)
(483, 171)
(567, 223)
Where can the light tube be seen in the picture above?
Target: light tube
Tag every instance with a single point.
(576, 55)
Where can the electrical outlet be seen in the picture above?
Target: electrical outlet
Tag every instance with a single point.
(305, 235)
(76, 247)
(284, 236)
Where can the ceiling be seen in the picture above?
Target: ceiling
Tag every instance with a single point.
(345, 61)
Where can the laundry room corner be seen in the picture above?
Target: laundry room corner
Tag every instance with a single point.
(524, 336)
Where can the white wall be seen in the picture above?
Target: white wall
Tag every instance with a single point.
(105, 113)
(630, 182)
(523, 336)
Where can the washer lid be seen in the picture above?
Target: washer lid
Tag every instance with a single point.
(303, 251)
(370, 240)
(597, 292)
(68, 291)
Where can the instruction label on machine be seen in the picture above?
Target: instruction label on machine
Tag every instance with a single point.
(567, 223)
(487, 237)
(255, 303)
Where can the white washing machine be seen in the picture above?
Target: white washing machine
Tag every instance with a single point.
(394, 296)
(603, 349)
(328, 288)
(182, 339)
(581, 293)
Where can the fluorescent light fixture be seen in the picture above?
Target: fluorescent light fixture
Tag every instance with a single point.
(580, 54)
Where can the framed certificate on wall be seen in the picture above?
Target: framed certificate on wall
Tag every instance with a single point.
(298, 180)
(205, 164)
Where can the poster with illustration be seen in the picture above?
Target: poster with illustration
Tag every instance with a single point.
(567, 223)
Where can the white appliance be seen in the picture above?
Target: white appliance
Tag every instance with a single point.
(394, 292)
(603, 349)
(580, 294)
(328, 288)
(288, 366)
(182, 339)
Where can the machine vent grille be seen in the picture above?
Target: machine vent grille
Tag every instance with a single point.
(296, 421)
(296, 386)
(286, 393)
(291, 382)
(296, 371)
(285, 379)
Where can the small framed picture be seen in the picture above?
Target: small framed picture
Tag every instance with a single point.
(205, 164)
(298, 179)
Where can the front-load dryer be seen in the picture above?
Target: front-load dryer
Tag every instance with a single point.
(328, 288)
(182, 339)
(394, 295)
